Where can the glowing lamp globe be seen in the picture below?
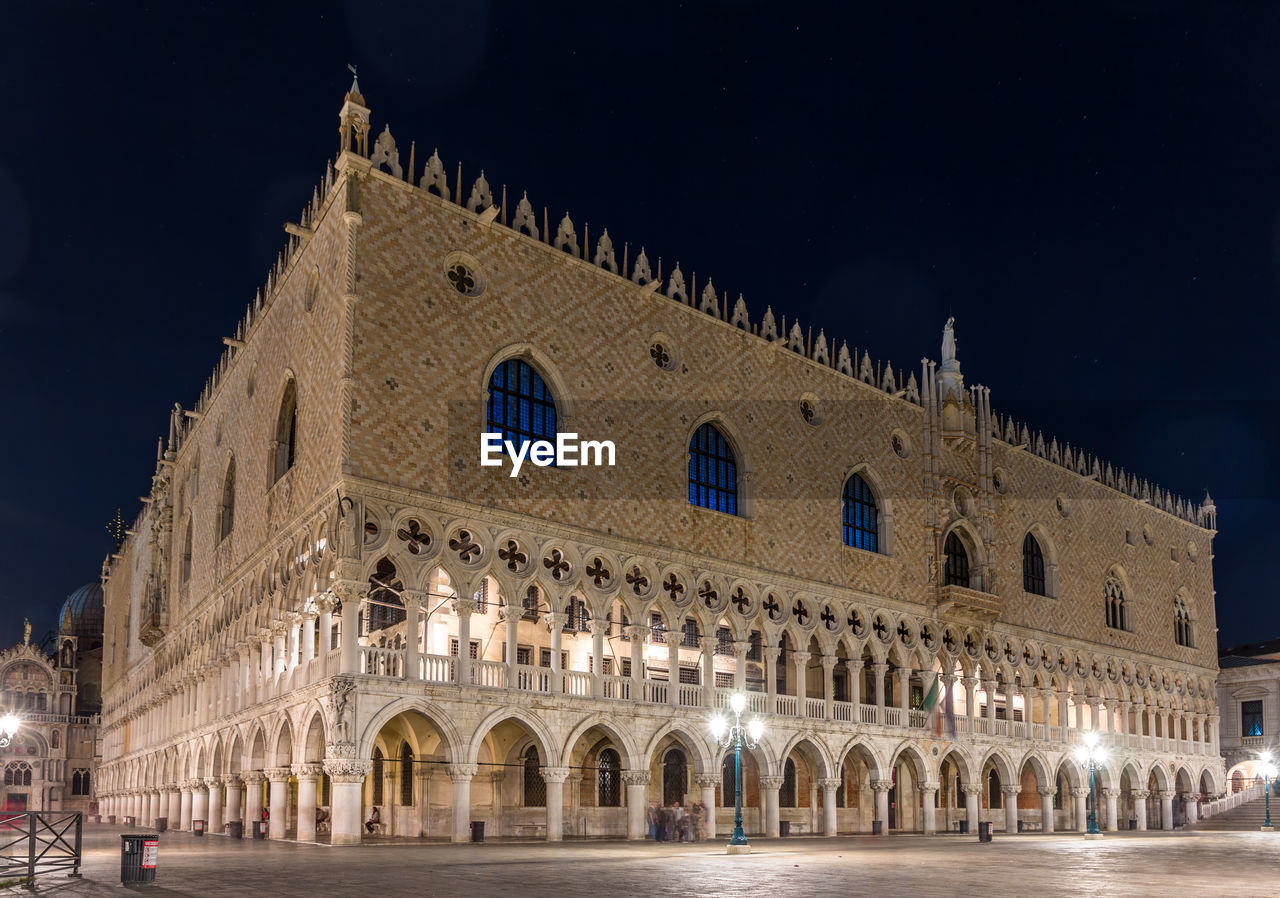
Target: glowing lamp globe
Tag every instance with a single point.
(9, 724)
(738, 702)
(755, 729)
(718, 726)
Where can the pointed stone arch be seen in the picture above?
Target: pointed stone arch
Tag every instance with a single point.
(616, 731)
(539, 733)
(702, 755)
(450, 740)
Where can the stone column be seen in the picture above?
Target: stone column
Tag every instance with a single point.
(412, 599)
(463, 608)
(740, 666)
(252, 796)
(801, 662)
(674, 636)
(877, 671)
(829, 686)
(308, 775)
(1193, 808)
(1046, 809)
(637, 783)
(829, 787)
(514, 612)
(1064, 715)
(1113, 813)
(460, 775)
(1125, 728)
(970, 699)
(324, 604)
(214, 787)
(927, 794)
(707, 783)
(989, 687)
(554, 777)
(882, 788)
(1140, 797)
(199, 802)
(855, 669)
(904, 693)
(1010, 794)
(769, 786)
(1046, 706)
(163, 809)
(349, 647)
(707, 644)
(971, 811)
(184, 806)
(346, 782)
(1166, 810)
(1082, 807)
(232, 812)
(771, 676)
(278, 801)
(638, 635)
(599, 630)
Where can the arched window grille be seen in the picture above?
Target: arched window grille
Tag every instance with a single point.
(860, 516)
(728, 782)
(227, 510)
(186, 554)
(286, 432)
(609, 779)
(521, 406)
(675, 776)
(384, 590)
(406, 775)
(376, 775)
(787, 794)
(956, 572)
(713, 471)
(1032, 566)
(529, 605)
(1117, 613)
(535, 787)
(1181, 622)
(993, 790)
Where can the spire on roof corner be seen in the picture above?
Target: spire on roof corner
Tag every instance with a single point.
(354, 93)
(353, 121)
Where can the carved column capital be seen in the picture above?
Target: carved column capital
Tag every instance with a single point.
(347, 770)
(308, 772)
(554, 775)
(971, 789)
(708, 643)
(707, 780)
(1140, 794)
(1044, 790)
(829, 782)
(278, 774)
(231, 780)
(464, 606)
(1010, 790)
(771, 783)
(461, 773)
(637, 631)
(882, 785)
(252, 777)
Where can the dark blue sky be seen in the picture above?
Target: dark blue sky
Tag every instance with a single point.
(1092, 192)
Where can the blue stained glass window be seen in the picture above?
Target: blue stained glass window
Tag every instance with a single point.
(860, 517)
(713, 471)
(521, 407)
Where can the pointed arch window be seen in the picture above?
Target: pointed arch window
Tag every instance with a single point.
(787, 794)
(1116, 606)
(535, 787)
(993, 790)
(609, 778)
(376, 775)
(521, 406)
(675, 776)
(713, 471)
(186, 554)
(406, 775)
(385, 605)
(227, 508)
(1032, 566)
(956, 571)
(860, 515)
(285, 443)
(1181, 622)
(728, 782)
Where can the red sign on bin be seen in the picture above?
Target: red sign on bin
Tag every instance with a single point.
(150, 848)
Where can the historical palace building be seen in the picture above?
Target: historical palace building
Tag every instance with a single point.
(328, 602)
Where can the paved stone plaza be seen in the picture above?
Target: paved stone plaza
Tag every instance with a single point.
(1166, 864)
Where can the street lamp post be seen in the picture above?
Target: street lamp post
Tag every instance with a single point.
(9, 724)
(1268, 774)
(1092, 755)
(735, 736)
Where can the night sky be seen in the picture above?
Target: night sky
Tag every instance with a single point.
(1093, 192)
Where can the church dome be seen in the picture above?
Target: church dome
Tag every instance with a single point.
(81, 613)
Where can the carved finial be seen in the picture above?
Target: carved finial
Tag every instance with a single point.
(675, 285)
(566, 238)
(709, 304)
(524, 218)
(641, 274)
(604, 253)
(843, 362)
(434, 177)
(740, 317)
(820, 354)
(768, 326)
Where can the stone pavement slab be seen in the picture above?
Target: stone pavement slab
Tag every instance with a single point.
(1119, 866)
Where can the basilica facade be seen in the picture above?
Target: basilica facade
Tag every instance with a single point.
(329, 604)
